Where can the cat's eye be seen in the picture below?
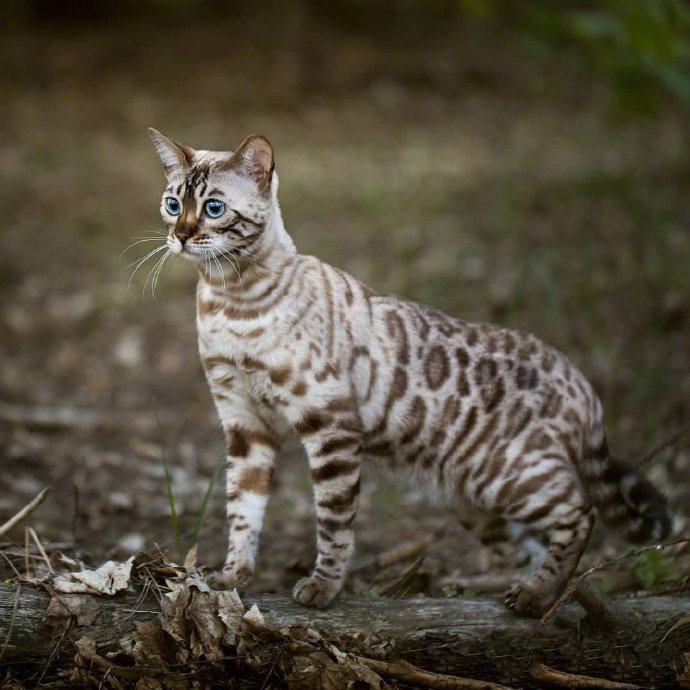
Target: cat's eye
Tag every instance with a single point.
(172, 206)
(214, 208)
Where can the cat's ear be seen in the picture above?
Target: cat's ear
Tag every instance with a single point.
(175, 157)
(254, 158)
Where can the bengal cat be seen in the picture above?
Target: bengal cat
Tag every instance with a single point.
(487, 417)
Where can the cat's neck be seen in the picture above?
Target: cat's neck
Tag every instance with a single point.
(237, 274)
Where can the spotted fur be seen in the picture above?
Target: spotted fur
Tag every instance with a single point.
(484, 416)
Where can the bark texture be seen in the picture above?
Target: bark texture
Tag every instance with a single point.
(475, 638)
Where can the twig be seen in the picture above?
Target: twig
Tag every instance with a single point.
(412, 675)
(570, 591)
(396, 554)
(400, 585)
(599, 608)
(546, 674)
(24, 512)
(56, 648)
(41, 550)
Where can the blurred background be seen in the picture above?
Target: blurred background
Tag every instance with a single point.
(524, 163)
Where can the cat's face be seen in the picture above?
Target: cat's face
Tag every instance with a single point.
(217, 203)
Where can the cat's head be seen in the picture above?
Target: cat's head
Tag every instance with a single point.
(217, 203)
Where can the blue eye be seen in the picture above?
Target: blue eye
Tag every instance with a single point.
(172, 206)
(214, 208)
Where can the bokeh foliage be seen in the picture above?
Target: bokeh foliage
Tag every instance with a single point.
(641, 46)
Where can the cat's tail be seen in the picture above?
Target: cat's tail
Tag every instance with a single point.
(623, 497)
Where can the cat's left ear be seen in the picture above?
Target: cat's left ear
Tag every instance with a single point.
(175, 157)
(254, 158)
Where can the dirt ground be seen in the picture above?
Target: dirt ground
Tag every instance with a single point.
(462, 173)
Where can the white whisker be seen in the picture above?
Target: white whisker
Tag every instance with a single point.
(234, 264)
(152, 272)
(139, 241)
(140, 262)
(157, 274)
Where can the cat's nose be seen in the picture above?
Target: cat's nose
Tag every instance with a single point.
(183, 234)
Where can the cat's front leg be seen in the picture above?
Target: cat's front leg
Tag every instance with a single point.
(332, 439)
(249, 468)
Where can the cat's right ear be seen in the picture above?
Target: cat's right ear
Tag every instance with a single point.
(175, 157)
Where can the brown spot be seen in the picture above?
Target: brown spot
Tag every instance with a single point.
(313, 421)
(472, 336)
(237, 442)
(526, 377)
(526, 350)
(493, 395)
(520, 418)
(548, 360)
(333, 525)
(415, 420)
(537, 440)
(509, 343)
(205, 307)
(281, 375)
(438, 438)
(462, 356)
(485, 371)
(399, 384)
(333, 445)
(491, 343)
(256, 479)
(512, 492)
(329, 370)
(397, 332)
(333, 469)
(381, 448)
(342, 502)
(235, 314)
(253, 364)
(572, 417)
(468, 424)
(451, 410)
(436, 367)
(481, 438)
(463, 384)
(300, 388)
(551, 405)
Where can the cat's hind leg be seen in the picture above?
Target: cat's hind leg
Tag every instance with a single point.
(332, 439)
(567, 528)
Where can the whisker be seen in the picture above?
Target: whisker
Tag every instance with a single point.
(156, 229)
(140, 262)
(220, 268)
(157, 274)
(152, 272)
(234, 264)
(139, 241)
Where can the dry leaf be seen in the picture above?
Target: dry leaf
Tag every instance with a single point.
(110, 578)
(84, 609)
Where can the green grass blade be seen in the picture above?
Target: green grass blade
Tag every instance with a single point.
(204, 504)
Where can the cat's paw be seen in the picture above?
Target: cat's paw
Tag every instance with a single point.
(235, 576)
(312, 591)
(529, 602)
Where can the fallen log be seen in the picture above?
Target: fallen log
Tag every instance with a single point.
(471, 637)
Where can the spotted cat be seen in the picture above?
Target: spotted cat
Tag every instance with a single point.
(485, 416)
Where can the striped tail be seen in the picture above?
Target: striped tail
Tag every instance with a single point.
(623, 497)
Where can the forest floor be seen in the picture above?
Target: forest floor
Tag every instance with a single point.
(491, 184)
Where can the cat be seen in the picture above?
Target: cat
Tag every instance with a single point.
(485, 416)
